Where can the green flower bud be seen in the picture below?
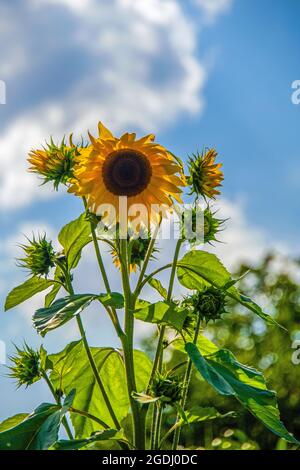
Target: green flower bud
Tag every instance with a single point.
(167, 388)
(203, 230)
(26, 366)
(209, 304)
(40, 256)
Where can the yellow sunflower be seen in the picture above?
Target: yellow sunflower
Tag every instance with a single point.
(143, 171)
(205, 175)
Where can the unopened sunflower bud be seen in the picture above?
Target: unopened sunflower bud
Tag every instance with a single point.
(26, 366)
(39, 256)
(209, 304)
(204, 174)
(54, 162)
(167, 388)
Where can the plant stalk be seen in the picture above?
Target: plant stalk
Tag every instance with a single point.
(186, 384)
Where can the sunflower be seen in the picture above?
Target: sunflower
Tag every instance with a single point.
(205, 175)
(143, 171)
(53, 162)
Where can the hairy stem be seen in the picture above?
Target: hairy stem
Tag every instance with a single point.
(91, 359)
(186, 384)
(127, 341)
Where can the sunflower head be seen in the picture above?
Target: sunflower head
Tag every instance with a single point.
(168, 388)
(204, 174)
(39, 256)
(139, 169)
(209, 304)
(54, 162)
(200, 226)
(26, 366)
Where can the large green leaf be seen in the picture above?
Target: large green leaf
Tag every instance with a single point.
(167, 313)
(60, 312)
(71, 366)
(229, 377)
(26, 290)
(74, 444)
(12, 421)
(39, 430)
(74, 237)
(199, 269)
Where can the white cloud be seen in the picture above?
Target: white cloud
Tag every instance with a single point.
(213, 8)
(137, 68)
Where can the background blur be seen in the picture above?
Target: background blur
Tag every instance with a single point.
(195, 72)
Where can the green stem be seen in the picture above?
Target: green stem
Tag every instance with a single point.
(186, 384)
(127, 341)
(64, 420)
(157, 428)
(159, 348)
(111, 311)
(91, 359)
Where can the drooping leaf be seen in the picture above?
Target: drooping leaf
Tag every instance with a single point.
(71, 366)
(229, 377)
(60, 312)
(157, 285)
(74, 237)
(26, 290)
(113, 299)
(167, 313)
(74, 444)
(199, 269)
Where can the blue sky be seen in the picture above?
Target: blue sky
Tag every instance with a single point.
(197, 73)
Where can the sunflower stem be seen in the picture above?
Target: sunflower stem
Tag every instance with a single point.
(57, 399)
(186, 385)
(91, 359)
(127, 341)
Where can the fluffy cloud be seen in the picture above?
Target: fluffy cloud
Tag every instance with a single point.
(213, 8)
(132, 64)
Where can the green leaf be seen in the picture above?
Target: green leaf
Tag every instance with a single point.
(163, 313)
(74, 444)
(157, 285)
(38, 431)
(12, 421)
(198, 414)
(74, 237)
(199, 269)
(71, 366)
(60, 312)
(51, 296)
(26, 290)
(229, 377)
(113, 299)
